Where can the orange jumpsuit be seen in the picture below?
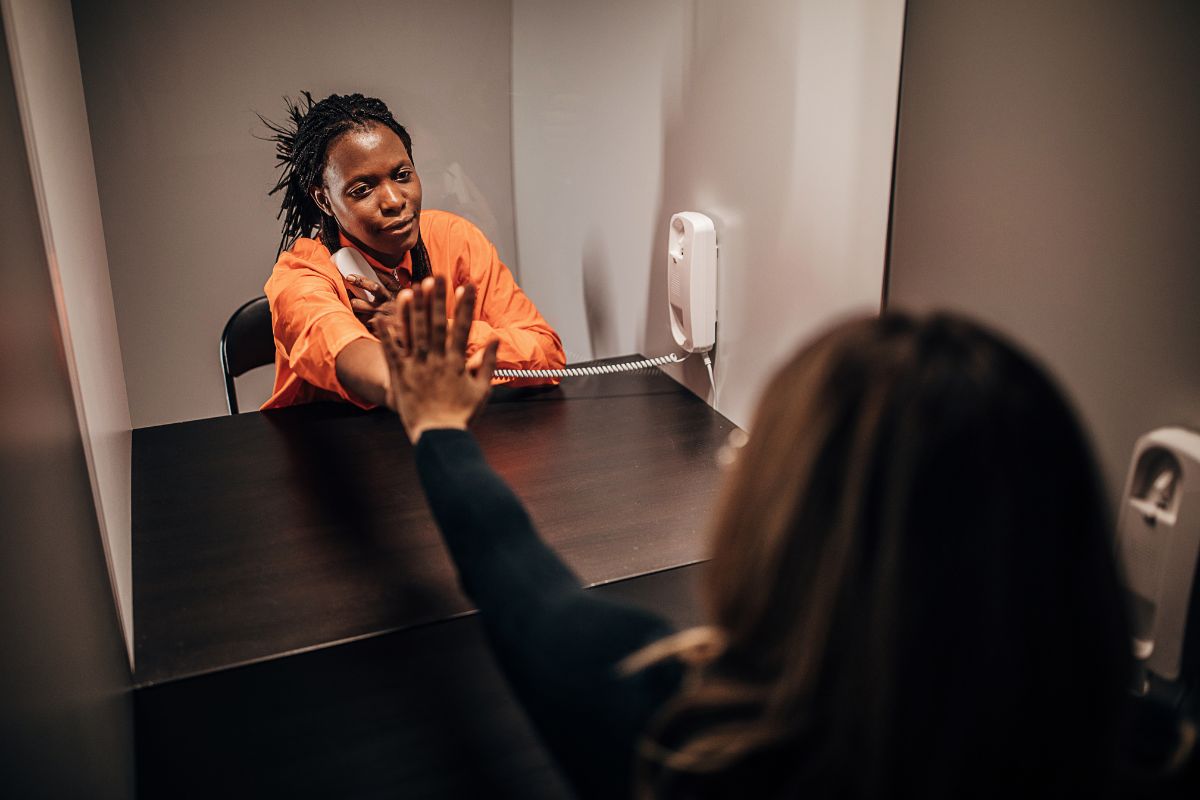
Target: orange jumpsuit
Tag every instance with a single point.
(313, 321)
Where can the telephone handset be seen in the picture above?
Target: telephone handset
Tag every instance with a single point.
(692, 281)
(351, 262)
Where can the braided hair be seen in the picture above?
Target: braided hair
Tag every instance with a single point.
(301, 143)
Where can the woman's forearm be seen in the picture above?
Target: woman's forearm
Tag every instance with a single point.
(362, 370)
(558, 644)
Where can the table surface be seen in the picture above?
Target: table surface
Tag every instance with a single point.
(420, 714)
(267, 534)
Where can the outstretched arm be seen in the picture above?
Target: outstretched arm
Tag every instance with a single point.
(362, 372)
(316, 330)
(559, 645)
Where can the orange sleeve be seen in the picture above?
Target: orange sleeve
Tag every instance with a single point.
(311, 316)
(504, 312)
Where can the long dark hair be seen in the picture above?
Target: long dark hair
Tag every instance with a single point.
(912, 588)
(301, 144)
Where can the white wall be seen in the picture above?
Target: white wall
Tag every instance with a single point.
(775, 118)
(41, 43)
(172, 91)
(1048, 182)
(66, 712)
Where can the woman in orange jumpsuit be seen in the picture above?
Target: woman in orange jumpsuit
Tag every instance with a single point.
(348, 181)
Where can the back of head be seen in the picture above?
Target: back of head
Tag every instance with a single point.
(912, 583)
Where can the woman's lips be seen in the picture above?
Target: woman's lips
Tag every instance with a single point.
(401, 226)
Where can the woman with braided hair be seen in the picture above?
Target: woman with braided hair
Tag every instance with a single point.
(348, 180)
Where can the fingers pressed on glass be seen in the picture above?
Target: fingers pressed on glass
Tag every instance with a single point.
(403, 321)
(464, 311)
(489, 361)
(387, 331)
(437, 316)
(419, 321)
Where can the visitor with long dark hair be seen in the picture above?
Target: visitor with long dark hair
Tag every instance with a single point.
(348, 180)
(912, 589)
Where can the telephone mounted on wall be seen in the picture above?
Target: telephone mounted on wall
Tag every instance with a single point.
(1158, 540)
(691, 297)
(692, 281)
(691, 301)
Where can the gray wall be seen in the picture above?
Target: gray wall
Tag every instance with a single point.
(41, 43)
(65, 707)
(1048, 181)
(172, 91)
(774, 118)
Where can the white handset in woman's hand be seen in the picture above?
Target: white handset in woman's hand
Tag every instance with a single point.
(431, 383)
(369, 292)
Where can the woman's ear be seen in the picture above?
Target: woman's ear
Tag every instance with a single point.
(317, 193)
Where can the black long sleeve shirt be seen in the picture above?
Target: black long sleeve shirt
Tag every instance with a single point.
(558, 644)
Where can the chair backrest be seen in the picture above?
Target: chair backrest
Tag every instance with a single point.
(247, 342)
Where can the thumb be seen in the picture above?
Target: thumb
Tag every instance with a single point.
(488, 363)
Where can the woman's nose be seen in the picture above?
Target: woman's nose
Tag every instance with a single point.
(391, 197)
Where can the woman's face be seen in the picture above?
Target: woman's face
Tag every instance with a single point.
(372, 190)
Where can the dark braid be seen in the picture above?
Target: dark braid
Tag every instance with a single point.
(300, 147)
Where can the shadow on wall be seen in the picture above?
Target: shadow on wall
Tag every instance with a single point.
(452, 188)
(728, 153)
(597, 298)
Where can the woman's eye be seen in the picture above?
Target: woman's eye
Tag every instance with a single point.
(359, 191)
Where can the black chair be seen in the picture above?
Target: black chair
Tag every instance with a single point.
(247, 342)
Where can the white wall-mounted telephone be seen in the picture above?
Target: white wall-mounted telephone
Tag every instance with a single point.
(691, 300)
(1158, 540)
(692, 281)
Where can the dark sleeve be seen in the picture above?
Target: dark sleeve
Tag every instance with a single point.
(557, 643)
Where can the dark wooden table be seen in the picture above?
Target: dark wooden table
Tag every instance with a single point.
(286, 533)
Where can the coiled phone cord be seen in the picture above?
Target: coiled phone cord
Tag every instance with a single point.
(598, 369)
